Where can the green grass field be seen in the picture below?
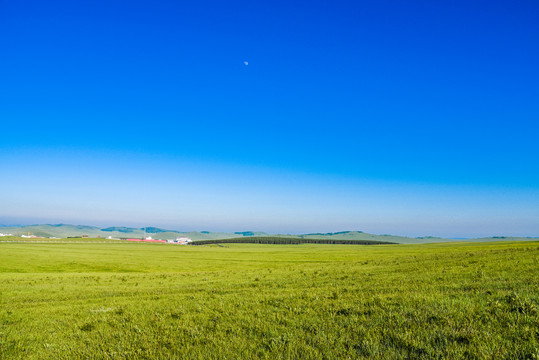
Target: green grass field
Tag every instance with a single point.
(157, 301)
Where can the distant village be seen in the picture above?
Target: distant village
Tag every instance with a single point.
(178, 241)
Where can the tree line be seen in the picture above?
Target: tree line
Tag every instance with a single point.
(284, 241)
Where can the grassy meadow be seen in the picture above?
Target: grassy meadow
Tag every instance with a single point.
(310, 301)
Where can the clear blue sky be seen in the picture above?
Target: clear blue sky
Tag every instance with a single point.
(413, 118)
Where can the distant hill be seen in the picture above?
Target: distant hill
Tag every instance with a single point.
(251, 233)
(47, 230)
(66, 230)
(360, 235)
(148, 230)
(120, 229)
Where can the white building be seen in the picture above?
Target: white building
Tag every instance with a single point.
(180, 241)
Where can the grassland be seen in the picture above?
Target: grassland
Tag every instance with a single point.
(157, 301)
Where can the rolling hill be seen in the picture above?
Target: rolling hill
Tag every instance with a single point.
(66, 230)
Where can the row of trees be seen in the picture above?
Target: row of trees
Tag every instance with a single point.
(283, 240)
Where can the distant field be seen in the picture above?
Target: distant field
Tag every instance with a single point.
(136, 300)
(17, 239)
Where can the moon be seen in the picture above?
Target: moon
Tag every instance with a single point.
(246, 63)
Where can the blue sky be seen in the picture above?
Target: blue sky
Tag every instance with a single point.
(413, 118)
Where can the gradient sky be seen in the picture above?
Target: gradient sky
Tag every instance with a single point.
(412, 118)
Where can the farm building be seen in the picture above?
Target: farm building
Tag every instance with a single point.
(180, 241)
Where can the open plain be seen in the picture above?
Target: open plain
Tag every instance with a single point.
(131, 300)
